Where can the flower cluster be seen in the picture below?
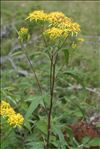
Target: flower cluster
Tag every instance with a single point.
(24, 30)
(55, 18)
(37, 16)
(54, 33)
(77, 42)
(74, 28)
(59, 20)
(13, 118)
(23, 34)
(58, 26)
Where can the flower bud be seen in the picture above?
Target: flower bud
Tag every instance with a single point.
(23, 34)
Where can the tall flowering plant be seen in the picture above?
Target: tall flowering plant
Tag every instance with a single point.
(60, 34)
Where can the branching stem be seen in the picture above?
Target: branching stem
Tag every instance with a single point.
(52, 82)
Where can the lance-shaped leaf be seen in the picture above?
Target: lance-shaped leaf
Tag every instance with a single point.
(76, 75)
(57, 131)
(66, 54)
(36, 145)
(36, 101)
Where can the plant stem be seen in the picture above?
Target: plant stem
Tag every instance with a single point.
(52, 82)
(38, 83)
(34, 72)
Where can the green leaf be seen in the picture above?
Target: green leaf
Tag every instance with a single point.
(34, 54)
(98, 125)
(85, 140)
(70, 132)
(95, 142)
(36, 145)
(79, 113)
(16, 53)
(66, 54)
(42, 126)
(57, 131)
(76, 75)
(27, 125)
(36, 100)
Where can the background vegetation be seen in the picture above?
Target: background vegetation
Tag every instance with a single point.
(19, 87)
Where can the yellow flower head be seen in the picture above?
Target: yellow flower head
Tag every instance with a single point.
(74, 45)
(74, 27)
(55, 17)
(7, 111)
(65, 23)
(54, 33)
(37, 15)
(3, 107)
(23, 34)
(58, 23)
(59, 20)
(80, 40)
(16, 119)
(24, 30)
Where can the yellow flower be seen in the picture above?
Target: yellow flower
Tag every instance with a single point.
(58, 19)
(55, 17)
(74, 45)
(23, 34)
(37, 15)
(65, 23)
(54, 33)
(24, 30)
(9, 112)
(74, 27)
(14, 119)
(77, 42)
(3, 107)
(80, 40)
